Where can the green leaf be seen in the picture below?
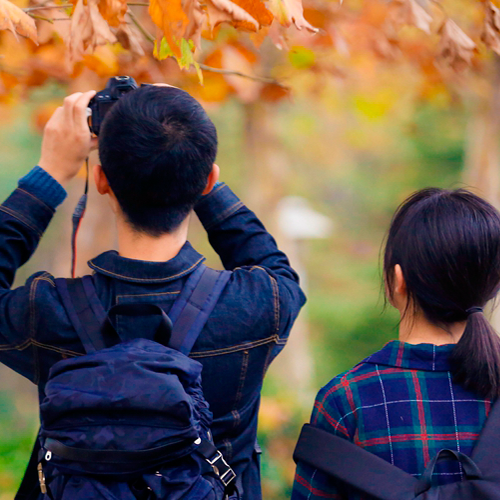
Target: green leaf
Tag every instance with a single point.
(301, 57)
(187, 54)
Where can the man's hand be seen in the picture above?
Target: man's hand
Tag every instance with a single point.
(67, 140)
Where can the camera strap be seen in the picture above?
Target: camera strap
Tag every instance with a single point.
(77, 219)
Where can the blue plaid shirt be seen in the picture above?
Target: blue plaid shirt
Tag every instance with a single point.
(402, 405)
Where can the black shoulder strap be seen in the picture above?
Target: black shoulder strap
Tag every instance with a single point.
(194, 305)
(189, 312)
(84, 310)
(350, 463)
(486, 452)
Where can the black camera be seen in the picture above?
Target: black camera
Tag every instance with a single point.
(104, 100)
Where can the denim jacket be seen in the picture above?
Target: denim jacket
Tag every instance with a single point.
(247, 329)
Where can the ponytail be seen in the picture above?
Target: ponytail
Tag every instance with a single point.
(475, 360)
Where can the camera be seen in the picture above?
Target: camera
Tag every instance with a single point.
(104, 100)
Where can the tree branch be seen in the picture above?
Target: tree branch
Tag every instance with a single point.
(139, 4)
(41, 18)
(263, 79)
(44, 7)
(150, 38)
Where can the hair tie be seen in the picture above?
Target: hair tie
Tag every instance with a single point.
(473, 310)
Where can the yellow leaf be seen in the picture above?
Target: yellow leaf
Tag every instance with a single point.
(169, 16)
(17, 21)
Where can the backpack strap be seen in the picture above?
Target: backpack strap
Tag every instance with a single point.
(189, 312)
(194, 305)
(486, 452)
(344, 460)
(84, 310)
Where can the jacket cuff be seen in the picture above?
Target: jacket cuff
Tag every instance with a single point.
(41, 184)
(217, 206)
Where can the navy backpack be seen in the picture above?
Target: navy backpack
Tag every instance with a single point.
(378, 479)
(128, 419)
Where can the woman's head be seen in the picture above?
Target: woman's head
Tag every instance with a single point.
(447, 244)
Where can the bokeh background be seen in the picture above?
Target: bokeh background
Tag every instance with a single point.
(363, 123)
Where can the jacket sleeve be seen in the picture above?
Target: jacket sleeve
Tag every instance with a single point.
(24, 216)
(246, 248)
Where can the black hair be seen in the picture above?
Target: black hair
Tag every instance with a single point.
(447, 243)
(157, 146)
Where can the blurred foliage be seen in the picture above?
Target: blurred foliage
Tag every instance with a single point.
(355, 159)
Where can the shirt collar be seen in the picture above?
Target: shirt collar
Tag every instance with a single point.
(140, 271)
(428, 357)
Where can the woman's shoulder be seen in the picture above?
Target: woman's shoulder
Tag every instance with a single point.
(337, 402)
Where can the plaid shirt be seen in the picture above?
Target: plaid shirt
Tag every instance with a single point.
(400, 404)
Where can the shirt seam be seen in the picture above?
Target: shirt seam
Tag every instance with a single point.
(19, 217)
(236, 348)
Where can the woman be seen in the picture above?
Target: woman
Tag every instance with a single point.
(434, 387)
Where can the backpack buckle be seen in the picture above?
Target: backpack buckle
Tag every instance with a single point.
(221, 468)
(41, 478)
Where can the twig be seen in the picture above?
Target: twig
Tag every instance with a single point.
(263, 79)
(139, 4)
(148, 36)
(41, 18)
(44, 7)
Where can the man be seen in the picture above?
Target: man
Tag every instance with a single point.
(157, 147)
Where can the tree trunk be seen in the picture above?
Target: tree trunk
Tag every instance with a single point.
(267, 173)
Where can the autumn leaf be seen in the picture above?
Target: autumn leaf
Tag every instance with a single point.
(186, 59)
(455, 48)
(130, 39)
(12, 18)
(113, 11)
(290, 11)
(412, 13)
(246, 15)
(491, 30)
(88, 30)
(170, 17)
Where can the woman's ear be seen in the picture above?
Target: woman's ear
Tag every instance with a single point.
(399, 291)
(213, 177)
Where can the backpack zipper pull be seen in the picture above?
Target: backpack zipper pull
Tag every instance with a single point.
(41, 478)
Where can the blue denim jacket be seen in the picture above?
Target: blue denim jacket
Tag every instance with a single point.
(247, 329)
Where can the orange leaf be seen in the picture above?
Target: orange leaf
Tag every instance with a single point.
(291, 11)
(411, 12)
(130, 39)
(88, 30)
(113, 11)
(455, 47)
(246, 15)
(169, 16)
(17, 21)
(491, 30)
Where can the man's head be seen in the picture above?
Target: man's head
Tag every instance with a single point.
(157, 147)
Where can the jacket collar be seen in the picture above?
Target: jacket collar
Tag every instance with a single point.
(140, 271)
(428, 357)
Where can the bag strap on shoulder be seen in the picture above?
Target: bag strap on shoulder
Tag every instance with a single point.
(189, 312)
(194, 305)
(84, 309)
(344, 460)
(486, 452)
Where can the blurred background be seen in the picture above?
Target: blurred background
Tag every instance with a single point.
(340, 130)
